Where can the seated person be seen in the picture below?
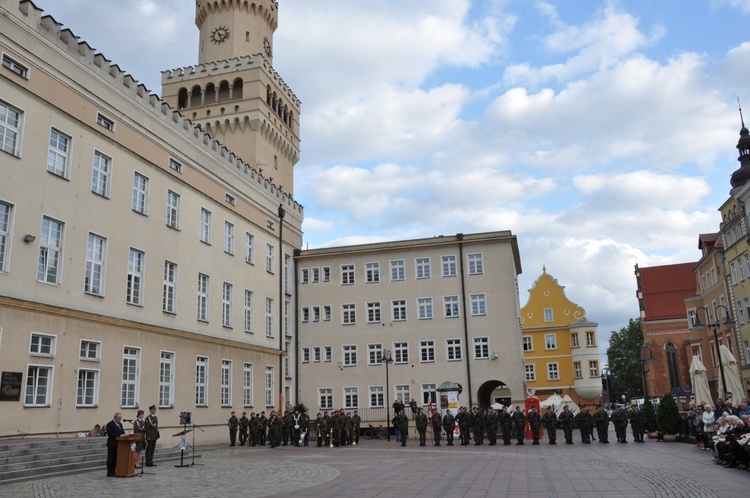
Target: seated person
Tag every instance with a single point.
(96, 431)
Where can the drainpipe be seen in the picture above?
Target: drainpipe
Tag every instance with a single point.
(459, 239)
(282, 376)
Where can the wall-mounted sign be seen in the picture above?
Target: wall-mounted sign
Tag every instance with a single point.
(10, 386)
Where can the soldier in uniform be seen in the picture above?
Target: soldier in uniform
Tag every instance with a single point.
(422, 422)
(549, 420)
(356, 425)
(480, 423)
(233, 424)
(402, 421)
(305, 428)
(601, 419)
(286, 427)
(535, 423)
(252, 427)
(336, 423)
(566, 419)
(244, 422)
(437, 427)
(636, 423)
(152, 434)
(274, 429)
(297, 427)
(492, 419)
(449, 425)
(349, 431)
(506, 424)
(328, 434)
(621, 425)
(262, 428)
(519, 424)
(587, 425)
(464, 423)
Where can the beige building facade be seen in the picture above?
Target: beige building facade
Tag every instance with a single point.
(141, 261)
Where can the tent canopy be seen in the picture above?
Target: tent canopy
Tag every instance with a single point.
(557, 403)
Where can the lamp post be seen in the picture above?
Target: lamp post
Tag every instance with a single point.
(645, 370)
(605, 374)
(714, 326)
(386, 358)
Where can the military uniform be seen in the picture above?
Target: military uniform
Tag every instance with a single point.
(305, 428)
(336, 424)
(535, 423)
(492, 420)
(620, 419)
(253, 429)
(636, 423)
(549, 420)
(449, 425)
(296, 427)
(422, 422)
(244, 423)
(233, 424)
(274, 430)
(402, 421)
(519, 425)
(506, 424)
(328, 434)
(437, 427)
(356, 427)
(601, 419)
(262, 428)
(152, 434)
(566, 419)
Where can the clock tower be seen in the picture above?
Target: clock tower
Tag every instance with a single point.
(234, 94)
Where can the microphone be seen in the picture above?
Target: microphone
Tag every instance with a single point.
(127, 420)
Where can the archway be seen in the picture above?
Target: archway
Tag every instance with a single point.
(493, 391)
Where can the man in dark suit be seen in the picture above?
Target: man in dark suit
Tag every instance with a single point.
(114, 430)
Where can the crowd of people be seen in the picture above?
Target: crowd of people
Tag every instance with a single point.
(723, 429)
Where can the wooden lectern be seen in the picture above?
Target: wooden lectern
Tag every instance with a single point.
(126, 455)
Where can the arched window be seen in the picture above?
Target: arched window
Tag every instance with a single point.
(182, 100)
(237, 91)
(223, 91)
(674, 372)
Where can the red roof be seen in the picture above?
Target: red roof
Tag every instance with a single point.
(664, 289)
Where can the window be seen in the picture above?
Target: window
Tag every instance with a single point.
(269, 387)
(325, 398)
(577, 371)
(87, 392)
(427, 351)
(203, 283)
(593, 369)
(550, 341)
(6, 218)
(553, 371)
(351, 397)
(304, 277)
(481, 348)
(228, 238)
(166, 379)
(38, 386)
(423, 267)
(269, 258)
(478, 305)
(453, 349)
(316, 354)
(96, 248)
(305, 314)
(374, 353)
(287, 318)
(249, 248)
(205, 226)
(247, 384)
(315, 275)
(105, 122)
(451, 306)
(11, 121)
(373, 312)
(305, 355)
(269, 317)
(327, 354)
(175, 165)
(100, 174)
(424, 305)
(201, 381)
(326, 313)
(376, 397)
(58, 153)
(140, 194)
(350, 355)
(226, 383)
(90, 350)
(590, 339)
(347, 274)
(397, 270)
(169, 288)
(429, 394)
(229, 199)
(449, 266)
(130, 373)
(528, 343)
(173, 210)
(548, 317)
(476, 266)
(348, 314)
(316, 313)
(288, 277)
(398, 310)
(400, 352)
(530, 372)
(15, 66)
(50, 251)
(403, 393)
(372, 273)
(42, 345)
(226, 304)
(135, 277)
(574, 339)
(326, 274)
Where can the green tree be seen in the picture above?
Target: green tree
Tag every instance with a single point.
(623, 357)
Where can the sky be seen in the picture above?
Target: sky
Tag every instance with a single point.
(601, 133)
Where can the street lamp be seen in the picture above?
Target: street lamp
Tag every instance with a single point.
(714, 326)
(605, 375)
(645, 370)
(386, 358)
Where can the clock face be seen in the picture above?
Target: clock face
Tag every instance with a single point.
(219, 34)
(267, 46)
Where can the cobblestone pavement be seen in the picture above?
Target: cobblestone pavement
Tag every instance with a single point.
(382, 469)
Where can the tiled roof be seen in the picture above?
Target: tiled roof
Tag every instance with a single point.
(664, 289)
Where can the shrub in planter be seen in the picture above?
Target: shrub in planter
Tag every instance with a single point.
(649, 416)
(668, 415)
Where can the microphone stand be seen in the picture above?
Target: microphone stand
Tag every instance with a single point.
(144, 442)
(193, 445)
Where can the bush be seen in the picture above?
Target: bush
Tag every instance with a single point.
(668, 415)
(300, 407)
(649, 416)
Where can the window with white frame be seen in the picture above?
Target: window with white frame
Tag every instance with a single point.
(100, 176)
(530, 370)
(398, 268)
(90, 350)
(350, 355)
(403, 393)
(590, 339)
(249, 248)
(87, 391)
(305, 355)
(96, 250)
(577, 370)
(105, 122)
(38, 385)
(58, 154)
(50, 251)
(372, 273)
(481, 348)
(269, 317)
(6, 223)
(348, 314)
(173, 210)
(376, 396)
(478, 305)
(226, 304)
(204, 232)
(453, 349)
(347, 274)
(139, 202)
(248, 327)
(42, 345)
(316, 313)
(424, 307)
(226, 383)
(423, 267)
(550, 341)
(429, 394)
(166, 379)
(169, 288)
(574, 339)
(373, 312)
(134, 290)
(269, 386)
(326, 274)
(325, 398)
(476, 266)
(398, 310)
(316, 355)
(316, 275)
(131, 359)
(11, 124)
(288, 276)
(203, 288)
(351, 398)
(593, 369)
(201, 381)
(374, 354)
(304, 276)
(305, 314)
(175, 165)
(528, 343)
(247, 384)
(228, 238)
(15, 67)
(327, 313)
(450, 305)
(327, 354)
(269, 258)
(553, 371)
(548, 315)
(448, 266)
(427, 351)
(400, 352)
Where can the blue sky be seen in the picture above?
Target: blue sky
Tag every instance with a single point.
(602, 133)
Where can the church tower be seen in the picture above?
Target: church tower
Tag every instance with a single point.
(234, 94)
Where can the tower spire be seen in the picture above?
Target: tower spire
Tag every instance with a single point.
(742, 174)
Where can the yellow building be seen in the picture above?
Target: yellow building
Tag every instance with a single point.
(560, 349)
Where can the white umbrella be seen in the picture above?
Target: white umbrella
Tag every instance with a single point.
(497, 406)
(567, 401)
(700, 382)
(732, 375)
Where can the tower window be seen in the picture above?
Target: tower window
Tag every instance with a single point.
(247, 36)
